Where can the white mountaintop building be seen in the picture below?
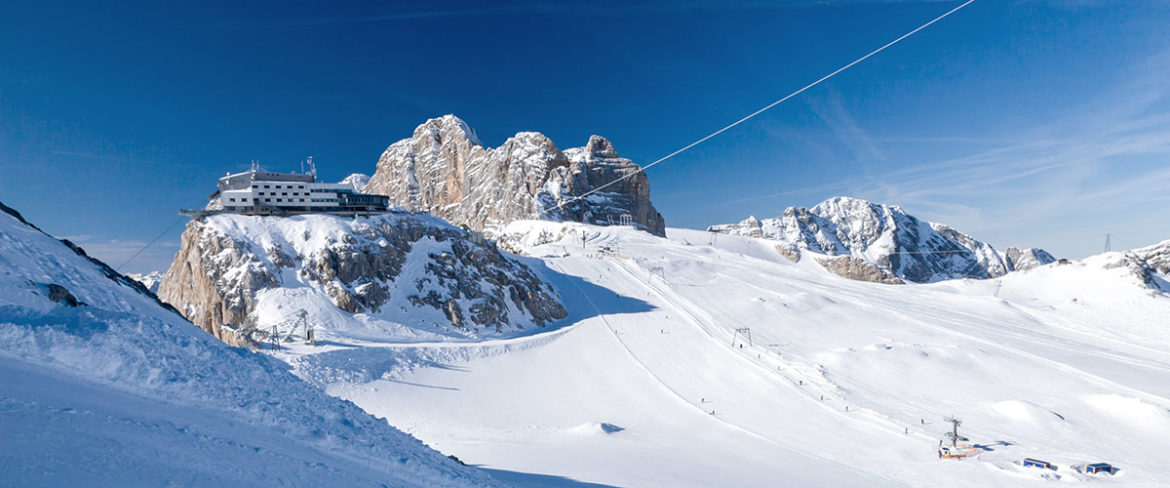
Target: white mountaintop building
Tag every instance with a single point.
(258, 192)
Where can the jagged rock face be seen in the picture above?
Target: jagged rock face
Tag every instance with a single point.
(198, 283)
(390, 265)
(444, 170)
(897, 246)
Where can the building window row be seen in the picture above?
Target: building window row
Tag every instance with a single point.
(284, 194)
(278, 187)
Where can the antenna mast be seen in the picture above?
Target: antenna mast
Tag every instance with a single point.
(312, 167)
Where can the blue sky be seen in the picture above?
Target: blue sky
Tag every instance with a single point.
(1035, 123)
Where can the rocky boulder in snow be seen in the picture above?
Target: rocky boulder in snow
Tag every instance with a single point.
(444, 170)
(397, 267)
(883, 243)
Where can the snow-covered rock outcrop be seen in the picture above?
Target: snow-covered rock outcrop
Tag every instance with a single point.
(1156, 257)
(882, 243)
(1151, 264)
(102, 385)
(444, 170)
(389, 270)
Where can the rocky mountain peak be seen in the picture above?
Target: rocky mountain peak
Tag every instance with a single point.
(842, 205)
(444, 170)
(447, 129)
(600, 147)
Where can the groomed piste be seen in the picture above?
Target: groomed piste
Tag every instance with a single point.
(843, 383)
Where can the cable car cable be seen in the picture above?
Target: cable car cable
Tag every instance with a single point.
(758, 112)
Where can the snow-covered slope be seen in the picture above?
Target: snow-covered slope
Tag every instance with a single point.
(841, 382)
(396, 275)
(444, 169)
(882, 243)
(102, 385)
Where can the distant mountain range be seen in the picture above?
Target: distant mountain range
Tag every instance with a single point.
(149, 280)
(882, 243)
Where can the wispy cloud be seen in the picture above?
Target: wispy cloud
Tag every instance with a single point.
(844, 126)
(1110, 156)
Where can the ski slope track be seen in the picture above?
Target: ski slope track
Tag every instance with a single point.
(843, 383)
(103, 385)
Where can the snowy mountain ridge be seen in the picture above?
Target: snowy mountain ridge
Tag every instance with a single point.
(101, 385)
(882, 243)
(443, 169)
(150, 280)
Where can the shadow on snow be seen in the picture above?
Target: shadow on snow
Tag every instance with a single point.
(533, 480)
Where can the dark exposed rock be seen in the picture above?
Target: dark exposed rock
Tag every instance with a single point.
(59, 294)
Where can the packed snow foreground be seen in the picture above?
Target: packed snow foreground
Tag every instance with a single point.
(102, 385)
(687, 362)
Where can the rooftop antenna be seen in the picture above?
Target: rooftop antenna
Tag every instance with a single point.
(312, 167)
